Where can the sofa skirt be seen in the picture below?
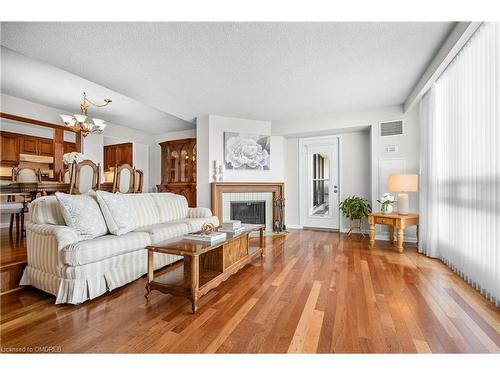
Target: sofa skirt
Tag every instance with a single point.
(95, 279)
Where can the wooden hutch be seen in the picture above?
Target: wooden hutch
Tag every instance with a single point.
(178, 168)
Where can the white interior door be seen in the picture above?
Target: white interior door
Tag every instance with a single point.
(320, 182)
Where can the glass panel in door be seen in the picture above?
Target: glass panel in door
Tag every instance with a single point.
(193, 158)
(320, 185)
(184, 164)
(174, 165)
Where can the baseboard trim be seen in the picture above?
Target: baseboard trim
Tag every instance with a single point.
(385, 237)
(322, 229)
(19, 288)
(378, 236)
(364, 231)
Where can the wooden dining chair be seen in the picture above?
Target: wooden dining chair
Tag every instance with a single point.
(65, 176)
(86, 176)
(17, 209)
(26, 174)
(138, 180)
(123, 180)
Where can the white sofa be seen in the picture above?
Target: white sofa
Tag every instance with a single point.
(76, 270)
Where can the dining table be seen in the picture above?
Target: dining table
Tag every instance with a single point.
(43, 187)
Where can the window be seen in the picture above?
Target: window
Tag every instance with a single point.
(460, 164)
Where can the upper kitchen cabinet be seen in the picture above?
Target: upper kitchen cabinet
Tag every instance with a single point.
(118, 154)
(36, 146)
(10, 148)
(69, 147)
(45, 147)
(28, 145)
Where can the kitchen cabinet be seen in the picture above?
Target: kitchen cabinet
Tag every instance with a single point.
(117, 155)
(45, 147)
(36, 146)
(28, 145)
(69, 147)
(10, 148)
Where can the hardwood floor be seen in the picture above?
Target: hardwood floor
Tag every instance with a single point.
(314, 292)
(12, 259)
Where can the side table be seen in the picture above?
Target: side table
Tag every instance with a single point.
(393, 220)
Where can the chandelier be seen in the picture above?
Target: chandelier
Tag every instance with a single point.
(81, 122)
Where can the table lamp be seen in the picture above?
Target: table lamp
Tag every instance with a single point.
(403, 183)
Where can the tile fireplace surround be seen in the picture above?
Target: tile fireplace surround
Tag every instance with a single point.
(225, 192)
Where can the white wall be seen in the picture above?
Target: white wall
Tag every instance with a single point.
(202, 162)
(93, 146)
(292, 196)
(109, 141)
(355, 168)
(342, 123)
(21, 128)
(170, 136)
(210, 134)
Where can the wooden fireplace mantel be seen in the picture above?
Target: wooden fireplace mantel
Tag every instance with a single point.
(218, 188)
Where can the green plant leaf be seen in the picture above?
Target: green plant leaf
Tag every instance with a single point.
(354, 207)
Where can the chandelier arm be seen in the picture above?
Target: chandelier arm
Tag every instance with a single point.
(106, 102)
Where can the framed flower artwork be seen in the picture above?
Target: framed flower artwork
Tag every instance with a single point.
(247, 151)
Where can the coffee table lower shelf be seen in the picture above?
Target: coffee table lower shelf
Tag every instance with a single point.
(201, 270)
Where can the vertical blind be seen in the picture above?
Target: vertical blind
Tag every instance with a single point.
(460, 164)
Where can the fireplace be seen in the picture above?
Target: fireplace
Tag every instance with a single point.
(250, 212)
(262, 194)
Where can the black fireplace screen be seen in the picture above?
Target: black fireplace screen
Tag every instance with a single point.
(250, 212)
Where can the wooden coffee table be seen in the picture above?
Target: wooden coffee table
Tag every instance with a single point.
(205, 265)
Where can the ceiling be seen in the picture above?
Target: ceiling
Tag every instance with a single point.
(268, 71)
(30, 79)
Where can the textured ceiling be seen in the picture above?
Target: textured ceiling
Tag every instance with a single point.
(269, 71)
(42, 83)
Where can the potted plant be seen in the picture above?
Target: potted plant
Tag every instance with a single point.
(355, 209)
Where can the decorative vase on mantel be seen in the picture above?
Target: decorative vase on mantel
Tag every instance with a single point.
(219, 170)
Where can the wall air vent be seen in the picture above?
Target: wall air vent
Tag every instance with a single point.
(391, 128)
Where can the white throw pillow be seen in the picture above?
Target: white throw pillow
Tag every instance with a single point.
(82, 213)
(117, 212)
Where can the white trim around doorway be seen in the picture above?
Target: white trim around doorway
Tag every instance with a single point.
(302, 183)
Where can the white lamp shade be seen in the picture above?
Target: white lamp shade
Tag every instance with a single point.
(403, 182)
(80, 118)
(98, 122)
(67, 119)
